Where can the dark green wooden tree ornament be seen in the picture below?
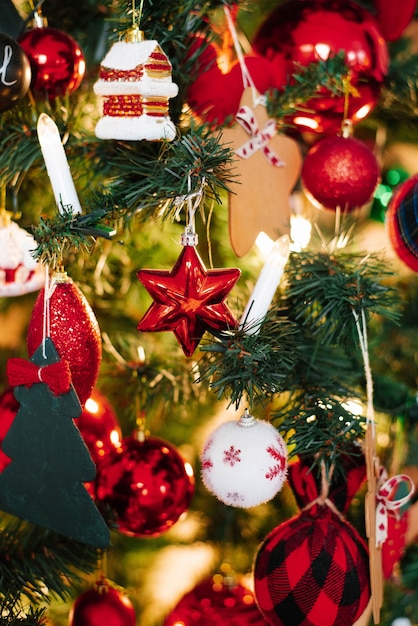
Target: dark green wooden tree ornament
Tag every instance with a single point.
(49, 459)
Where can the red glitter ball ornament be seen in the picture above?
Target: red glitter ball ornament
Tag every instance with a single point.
(102, 605)
(306, 31)
(56, 60)
(340, 172)
(146, 484)
(214, 602)
(73, 329)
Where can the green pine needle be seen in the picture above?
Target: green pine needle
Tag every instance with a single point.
(151, 188)
(254, 366)
(325, 289)
(307, 82)
(57, 236)
(38, 564)
(322, 428)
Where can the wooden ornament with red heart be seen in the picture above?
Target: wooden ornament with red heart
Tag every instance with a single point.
(267, 165)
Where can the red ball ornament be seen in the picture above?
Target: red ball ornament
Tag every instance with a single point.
(213, 602)
(305, 31)
(402, 222)
(99, 426)
(215, 96)
(9, 406)
(312, 569)
(56, 61)
(340, 172)
(16, 74)
(146, 484)
(73, 329)
(393, 18)
(102, 605)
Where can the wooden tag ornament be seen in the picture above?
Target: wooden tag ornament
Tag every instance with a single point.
(43, 483)
(375, 551)
(268, 165)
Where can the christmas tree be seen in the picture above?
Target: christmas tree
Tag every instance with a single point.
(208, 210)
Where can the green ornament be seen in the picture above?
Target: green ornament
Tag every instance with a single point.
(50, 462)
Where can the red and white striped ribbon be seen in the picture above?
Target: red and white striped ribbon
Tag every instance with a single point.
(259, 139)
(388, 502)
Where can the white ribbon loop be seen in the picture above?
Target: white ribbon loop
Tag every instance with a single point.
(259, 138)
(389, 504)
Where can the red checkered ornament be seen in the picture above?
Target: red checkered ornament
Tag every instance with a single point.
(312, 570)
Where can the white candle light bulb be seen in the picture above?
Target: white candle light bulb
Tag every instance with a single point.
(57, 165)
(266, 286)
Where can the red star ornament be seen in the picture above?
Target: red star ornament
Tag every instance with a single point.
(188, 300)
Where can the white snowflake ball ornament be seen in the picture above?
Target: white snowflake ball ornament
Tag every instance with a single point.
(19, 272)
(244, 462)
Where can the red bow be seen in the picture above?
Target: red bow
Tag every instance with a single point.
(57, 375)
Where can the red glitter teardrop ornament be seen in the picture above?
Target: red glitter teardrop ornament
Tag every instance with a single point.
(304, 31)
(102, 605)
(213, 602)
(340, 172)
(56, 60)
(146, 484)
(74, 331)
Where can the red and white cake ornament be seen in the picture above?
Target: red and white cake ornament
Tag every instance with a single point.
(19, 272)
(244, 462)
(135, 83)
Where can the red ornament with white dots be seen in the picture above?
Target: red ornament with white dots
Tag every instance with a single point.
(244, 462)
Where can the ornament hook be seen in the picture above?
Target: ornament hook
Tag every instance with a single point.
(135, 34)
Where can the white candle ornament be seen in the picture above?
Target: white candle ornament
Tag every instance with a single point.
(265, 287)
(57, 165)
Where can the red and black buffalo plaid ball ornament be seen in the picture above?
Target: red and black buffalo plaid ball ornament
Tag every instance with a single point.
(313, 570)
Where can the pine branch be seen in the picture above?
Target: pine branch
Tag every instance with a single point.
(34, 617)
(324, 289)
(150, 187)
(154, 384)
(57, 236)
(238, 365)
(307, 82)
(321, 427)
(399, 97)
(36, 564)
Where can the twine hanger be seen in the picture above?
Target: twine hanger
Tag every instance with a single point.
(247, 79)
